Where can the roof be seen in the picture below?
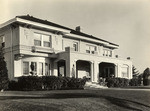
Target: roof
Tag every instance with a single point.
(34, 19)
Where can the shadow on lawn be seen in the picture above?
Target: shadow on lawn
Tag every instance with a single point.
(116, 101)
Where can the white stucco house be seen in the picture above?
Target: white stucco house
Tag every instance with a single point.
(32, 46)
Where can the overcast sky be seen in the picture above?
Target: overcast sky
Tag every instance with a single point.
(124, 22)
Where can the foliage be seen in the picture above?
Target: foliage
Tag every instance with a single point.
(52, 82)
(117, 82)
(46, 83)
(30, 83)
(76, 83)
(135, 72)
(146, 75)
(3, 73)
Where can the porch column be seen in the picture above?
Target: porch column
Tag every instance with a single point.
(96, 72)
(116, 70)
(73, 69)
(92, 74)
(130, 72)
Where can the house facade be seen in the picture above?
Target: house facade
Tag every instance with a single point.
(33, 46)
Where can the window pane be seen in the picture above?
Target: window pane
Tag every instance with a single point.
(124, 71)
(40, 68)
(37, 42)
(87, 47)
(33, 66)
(46, 44)
(46, 69)
(46, 38)
(25, 67)
(75, 46)
(37, 36)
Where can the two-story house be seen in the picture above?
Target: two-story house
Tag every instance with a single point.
(32, 46)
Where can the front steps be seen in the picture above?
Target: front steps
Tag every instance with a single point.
(90, 85)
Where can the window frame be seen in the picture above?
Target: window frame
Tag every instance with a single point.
(42, 41)
(26, 68)
(76, 48)
(90, 51)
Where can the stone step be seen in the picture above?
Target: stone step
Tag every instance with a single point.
(90, 85)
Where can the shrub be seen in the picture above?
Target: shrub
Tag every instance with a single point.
(46, 83)
(135, 82)
(3, 73)
(76, 83)
(117, 82)
(30, 83)
(52, 82)
(13, 85)
(146, 77)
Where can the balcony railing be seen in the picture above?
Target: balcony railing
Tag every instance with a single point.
(42, 49)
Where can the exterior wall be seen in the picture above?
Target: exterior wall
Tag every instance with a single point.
(96, 60)
(19, 45)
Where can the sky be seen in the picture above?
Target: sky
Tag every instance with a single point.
(124, 22)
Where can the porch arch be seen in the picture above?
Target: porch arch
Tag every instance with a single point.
(107, 69)
(83, 69)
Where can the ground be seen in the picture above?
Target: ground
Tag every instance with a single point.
(76, 100)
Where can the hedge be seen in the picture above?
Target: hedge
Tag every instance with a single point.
(46, 83)
(135, 82)
(117, 82)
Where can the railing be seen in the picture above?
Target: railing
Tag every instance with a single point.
(42, 49)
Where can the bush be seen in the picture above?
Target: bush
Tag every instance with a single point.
(13, 85)
(76, 83)
(52, 82)
(30, 83)
(46, 83)
(135, 82)
(3, 73)
(117, 82)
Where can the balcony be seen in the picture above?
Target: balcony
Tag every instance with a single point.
(42, 49)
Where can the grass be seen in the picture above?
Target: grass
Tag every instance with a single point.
(76, 100)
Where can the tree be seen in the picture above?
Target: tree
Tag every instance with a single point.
(146, 75)
(3, 73)
(135, 72)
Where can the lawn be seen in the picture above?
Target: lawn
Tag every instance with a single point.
(76, 100)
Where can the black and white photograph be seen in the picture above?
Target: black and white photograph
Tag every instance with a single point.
(74, 55)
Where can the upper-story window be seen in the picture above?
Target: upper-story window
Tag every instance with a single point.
(2, 41)
(46, 41)
(107, 52)
(37, 39)
(91, 49)
(42, 40)
(75, 46)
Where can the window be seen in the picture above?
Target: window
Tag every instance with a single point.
(125, 71)
(26, 68)
(42, 40)
(107, 52)
(93, 49)
(37, 39)
(90, 49)
(46, 40)
(87, 49)
(2, 41)
(46, 69)
(75, 46)
(33, 66)
(40, 68)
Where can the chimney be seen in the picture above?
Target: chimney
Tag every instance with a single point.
(78, 28)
